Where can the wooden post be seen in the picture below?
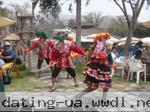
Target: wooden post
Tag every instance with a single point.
(78, 22)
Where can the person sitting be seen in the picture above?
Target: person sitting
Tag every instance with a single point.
(136, 47)
(111, 59)
(8, 54)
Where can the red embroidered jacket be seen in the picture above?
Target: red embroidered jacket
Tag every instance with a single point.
(44, 51)
(61, 54)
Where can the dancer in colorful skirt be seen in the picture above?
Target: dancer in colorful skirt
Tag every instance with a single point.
(97, 71)
(61, 56)
(44, 50)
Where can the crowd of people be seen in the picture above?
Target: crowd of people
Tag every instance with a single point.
(59, 53)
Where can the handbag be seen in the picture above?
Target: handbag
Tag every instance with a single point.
(7, 79)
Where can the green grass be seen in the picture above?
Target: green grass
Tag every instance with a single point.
(79, 68)
(25, 82)
(21, 83)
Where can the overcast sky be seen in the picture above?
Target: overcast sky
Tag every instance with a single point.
(106, 7)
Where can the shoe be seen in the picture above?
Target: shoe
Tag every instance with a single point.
(52, 90)
(76, 85)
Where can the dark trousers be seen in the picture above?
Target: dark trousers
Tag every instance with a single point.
(40, 61)
(57, 70)
(1, 85)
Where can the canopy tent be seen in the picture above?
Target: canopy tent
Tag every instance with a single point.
(12, 37)
(113, 39)
(87, 40)
(91, 36)
(123, 40)
(5, 21)
(146, 41)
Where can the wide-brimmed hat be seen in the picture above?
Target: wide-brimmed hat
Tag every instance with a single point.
(41, 34)
(6, 44)
(102, 35)
(60, 37)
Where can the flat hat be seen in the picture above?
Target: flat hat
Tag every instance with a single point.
(42, 34)
(60, 37)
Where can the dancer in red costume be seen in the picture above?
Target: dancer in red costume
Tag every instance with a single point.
(44, 50)
(97, 71)
(61, 56)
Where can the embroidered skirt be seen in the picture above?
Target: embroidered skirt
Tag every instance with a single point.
(97, 75)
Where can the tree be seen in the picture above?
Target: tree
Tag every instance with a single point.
(141, 31)
(71, 23)
(78, 22)
(136, 6)
(119, 29)
(20, 8)
(48, 7)
(53, 4)
(4, 11)
(89, 18)
(92, 18)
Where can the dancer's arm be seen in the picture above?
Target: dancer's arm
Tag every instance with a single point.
(33, 46)
(77, 50)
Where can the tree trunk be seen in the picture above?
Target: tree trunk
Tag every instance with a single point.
(78, 22)
(127, 45)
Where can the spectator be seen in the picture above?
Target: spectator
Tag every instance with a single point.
(136, 47)
(8, 55)
(111, 59)
(113, 55)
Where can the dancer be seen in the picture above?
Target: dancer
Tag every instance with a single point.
(44, 50)
(69, 40)
(97, 71)
(61, 56)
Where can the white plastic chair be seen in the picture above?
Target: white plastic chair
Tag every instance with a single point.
(137, 67)
(122, 62)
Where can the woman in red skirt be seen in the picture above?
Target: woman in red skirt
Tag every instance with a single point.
(97, 71)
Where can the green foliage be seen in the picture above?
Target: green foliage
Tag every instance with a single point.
(51, 7)
(21, 67)
(4, 12)
(71, 23)
(119, 29)
(141, 31)
(79, 69)
(92, 18)
(21, 8)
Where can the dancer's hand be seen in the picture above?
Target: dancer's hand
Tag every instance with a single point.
(26, 50)
(52, 64)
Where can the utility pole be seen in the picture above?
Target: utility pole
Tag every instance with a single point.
(78, 22)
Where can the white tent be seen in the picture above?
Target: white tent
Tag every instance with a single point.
(113, 39)
(123, 40)
(133, 39)
(87, 40)
(146, 41)
(91, 36)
